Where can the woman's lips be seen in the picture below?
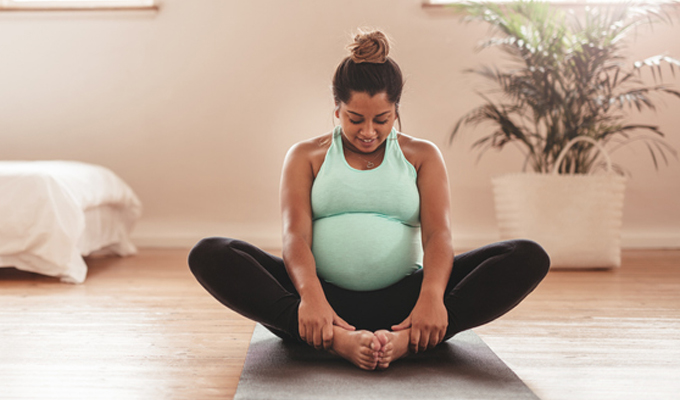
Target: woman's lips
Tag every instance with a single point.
(366, 143)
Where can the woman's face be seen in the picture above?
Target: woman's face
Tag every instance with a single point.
(366, 121)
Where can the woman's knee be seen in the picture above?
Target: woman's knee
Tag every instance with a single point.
(533, 256)
(207, 252)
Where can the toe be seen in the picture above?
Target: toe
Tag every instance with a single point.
(376, 345)
(382, 337)
(368, 365)
(366, 351)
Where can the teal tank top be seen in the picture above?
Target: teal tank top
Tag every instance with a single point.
(366, 223)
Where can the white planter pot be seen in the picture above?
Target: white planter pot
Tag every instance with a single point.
(576, 218)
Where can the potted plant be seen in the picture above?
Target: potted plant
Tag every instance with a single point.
(567, 96)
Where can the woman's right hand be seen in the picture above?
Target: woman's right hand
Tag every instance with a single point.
(316, 319)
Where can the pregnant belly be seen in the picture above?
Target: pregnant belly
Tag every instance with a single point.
(365, 251)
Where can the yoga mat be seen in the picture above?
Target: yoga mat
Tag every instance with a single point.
(462, 368)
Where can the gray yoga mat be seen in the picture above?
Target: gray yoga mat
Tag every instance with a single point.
(462, 368)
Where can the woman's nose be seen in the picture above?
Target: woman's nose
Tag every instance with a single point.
(369, 129)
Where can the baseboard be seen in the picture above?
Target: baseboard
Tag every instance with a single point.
(184, 241)
(650, 240)
(270, 238)
(182, 235)
(632, 239)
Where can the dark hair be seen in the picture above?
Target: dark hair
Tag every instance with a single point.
(368, 69)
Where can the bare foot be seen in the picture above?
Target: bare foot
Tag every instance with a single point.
(393, 346)
(358, 347)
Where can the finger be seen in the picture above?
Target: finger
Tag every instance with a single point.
(415, 339)
(318, 339)
(424, 341)
(405, 324)
(309, 335)
(327, 336)
(434, 340)
(342, 323)
(302, 332)
(441, 336)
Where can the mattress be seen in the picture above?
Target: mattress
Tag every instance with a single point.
(53, 213)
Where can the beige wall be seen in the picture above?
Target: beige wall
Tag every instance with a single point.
(195, 107)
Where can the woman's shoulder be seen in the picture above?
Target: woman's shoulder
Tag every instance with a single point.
(311, 151)
(311, 146)
(415, 144)
(417, 150)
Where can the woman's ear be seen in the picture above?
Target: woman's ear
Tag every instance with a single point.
(337, 111)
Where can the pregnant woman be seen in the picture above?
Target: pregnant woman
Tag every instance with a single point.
(368, 270)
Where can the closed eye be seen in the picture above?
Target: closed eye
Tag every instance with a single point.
(360, 122)
(383, 122)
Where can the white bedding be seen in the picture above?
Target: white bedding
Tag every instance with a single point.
(52, 213)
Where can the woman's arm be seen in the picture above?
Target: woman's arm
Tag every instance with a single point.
(429, 319)
(315, 316)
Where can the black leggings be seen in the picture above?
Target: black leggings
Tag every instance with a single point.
(485, 284)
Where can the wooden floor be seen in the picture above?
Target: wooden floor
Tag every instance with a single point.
(142, 328)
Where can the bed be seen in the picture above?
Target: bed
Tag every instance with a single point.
(53, 213)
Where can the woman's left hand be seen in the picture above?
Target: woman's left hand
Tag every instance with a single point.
(428, 322)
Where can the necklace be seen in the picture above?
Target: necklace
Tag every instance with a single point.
(369, 163)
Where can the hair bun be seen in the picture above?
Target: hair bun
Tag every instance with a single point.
(370, 47)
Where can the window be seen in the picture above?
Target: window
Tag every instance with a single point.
(440, 3)
(76, 4)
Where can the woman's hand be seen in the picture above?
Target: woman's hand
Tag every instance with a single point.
(428, 322)
(315, 322)
(315, 316)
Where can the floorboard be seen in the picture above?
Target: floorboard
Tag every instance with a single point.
(142, 328)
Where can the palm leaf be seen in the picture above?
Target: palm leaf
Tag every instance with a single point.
(567, 79)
